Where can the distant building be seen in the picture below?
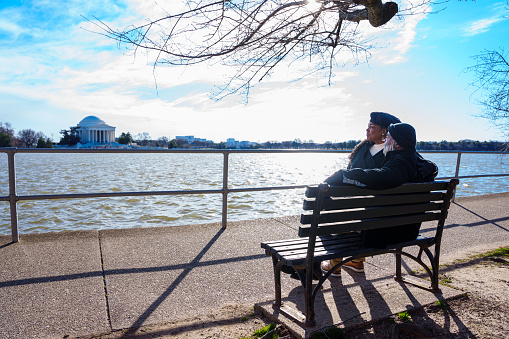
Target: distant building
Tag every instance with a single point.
(232, 143)
(190, 139)
(94, 130)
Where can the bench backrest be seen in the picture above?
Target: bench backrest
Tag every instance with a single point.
(340, 209)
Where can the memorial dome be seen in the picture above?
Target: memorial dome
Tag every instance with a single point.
(91, 121)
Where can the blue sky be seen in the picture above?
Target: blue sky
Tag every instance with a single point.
(54, 72)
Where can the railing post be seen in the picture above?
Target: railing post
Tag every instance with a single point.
(12, 194)
(225, 189)
(458, 165)
(456, 174)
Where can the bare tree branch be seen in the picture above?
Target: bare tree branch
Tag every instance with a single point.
(491, 80)
(257, 35)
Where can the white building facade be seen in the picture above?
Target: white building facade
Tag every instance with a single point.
(94, 130)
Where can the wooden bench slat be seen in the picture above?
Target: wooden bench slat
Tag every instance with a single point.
(311, 191)
(359, 225)
(370, 213)
(328, 204)
(333, 243)
(321, 254)
(303, 242)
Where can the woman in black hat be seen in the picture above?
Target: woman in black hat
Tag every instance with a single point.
(368, 153)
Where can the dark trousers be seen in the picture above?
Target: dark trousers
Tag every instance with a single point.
(382, 237)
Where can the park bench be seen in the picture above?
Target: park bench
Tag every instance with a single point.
(331, 231)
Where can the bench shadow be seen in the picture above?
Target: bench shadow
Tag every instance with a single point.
(189, 267)
(350, 311)
(347, 309)
(377, 305)
(450, 316)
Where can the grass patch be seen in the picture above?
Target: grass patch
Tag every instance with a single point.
(499, 252)
(247, 317)
(446, 280)
(263, 331)
(441, 303)
(404, 316)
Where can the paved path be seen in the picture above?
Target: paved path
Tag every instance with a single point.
(80, 283)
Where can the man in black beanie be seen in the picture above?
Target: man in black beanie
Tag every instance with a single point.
(401, 165)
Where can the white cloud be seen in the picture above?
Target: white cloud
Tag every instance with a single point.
(403, 42)
(481, 26)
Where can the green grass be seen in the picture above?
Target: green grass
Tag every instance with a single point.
(404, 316)
(499, 252)
(263, 331)
(441, 303)
(502, 252)
(446, 280)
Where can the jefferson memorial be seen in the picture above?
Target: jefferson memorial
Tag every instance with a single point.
(94, 130)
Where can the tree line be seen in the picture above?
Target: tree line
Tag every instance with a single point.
(462, 145)
(24, 138)
(30, 138)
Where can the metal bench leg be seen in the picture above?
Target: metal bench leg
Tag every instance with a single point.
(309, 299)
(277, 280)
(398, 277)
(434, 270)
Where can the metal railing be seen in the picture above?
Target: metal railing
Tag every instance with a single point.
(13, 198)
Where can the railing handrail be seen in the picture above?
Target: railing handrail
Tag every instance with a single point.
(207, 150)
(13, 198)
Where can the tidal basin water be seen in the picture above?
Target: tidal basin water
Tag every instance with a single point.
(55, 173)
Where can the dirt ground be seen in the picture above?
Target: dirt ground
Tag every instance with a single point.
(482, 313)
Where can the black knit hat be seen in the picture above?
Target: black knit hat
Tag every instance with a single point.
(383, 119)
(403, 134)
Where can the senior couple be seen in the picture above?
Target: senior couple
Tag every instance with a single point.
(386, 158)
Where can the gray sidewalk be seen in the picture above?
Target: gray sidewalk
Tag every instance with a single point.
(81, 283)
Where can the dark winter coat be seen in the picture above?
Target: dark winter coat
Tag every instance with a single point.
(399, 167)
(361, 157)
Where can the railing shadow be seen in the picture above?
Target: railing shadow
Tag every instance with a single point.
(189, 267)
(7, 244)
(186, 268)
(473, 224)
(486, 221)
(66, 277)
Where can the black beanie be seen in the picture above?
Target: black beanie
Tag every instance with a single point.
(383, 119)
(403, 134)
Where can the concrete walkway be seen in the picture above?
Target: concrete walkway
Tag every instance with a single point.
(72, 284)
